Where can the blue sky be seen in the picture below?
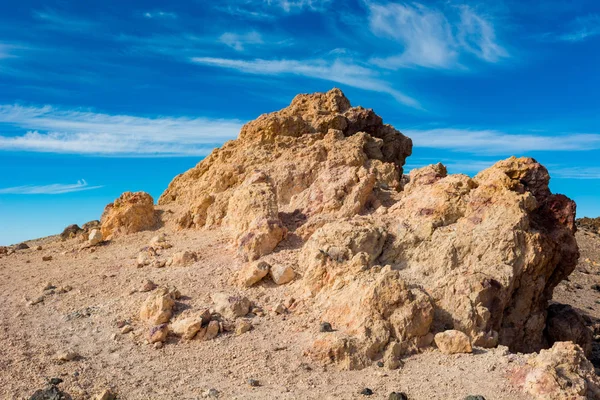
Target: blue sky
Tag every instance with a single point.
(97, 98)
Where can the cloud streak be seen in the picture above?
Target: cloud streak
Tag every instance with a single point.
(55, 130)
(56, 188)
(337, 71)
(239, 41)
(496, 142)
(583, 28)
(432, 39)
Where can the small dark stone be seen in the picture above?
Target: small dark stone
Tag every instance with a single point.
(50, 393)
(253, 382)
(596, 287)
(326, 327)
(22, 246)
(474, 397)
(366, 392)
(70, 232)
(55, 381)
(380, 364)
(398, 396)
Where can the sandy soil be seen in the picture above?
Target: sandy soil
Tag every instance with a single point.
(85, 320)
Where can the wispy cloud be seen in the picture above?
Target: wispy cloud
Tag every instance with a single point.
(430, 38)
(336, 71)
(239, 41)
(160, 14)
(56, 188)
(50, 129)
(296, 5)
(495, 142)
(63, 22)
(576, 172)
(583, 28)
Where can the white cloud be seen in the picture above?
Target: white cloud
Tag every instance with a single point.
(159, 14)
(56, 188)
(576, 172)
(49, 129)
(337, 71)
(295, 5)
(62, 22)
(238, 41)
(583, 28)
(495, 142)
(430, 38)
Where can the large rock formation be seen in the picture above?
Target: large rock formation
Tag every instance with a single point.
(388, 265)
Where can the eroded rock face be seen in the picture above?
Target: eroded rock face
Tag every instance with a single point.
(314, 161)
(130, 213)
(561, 372)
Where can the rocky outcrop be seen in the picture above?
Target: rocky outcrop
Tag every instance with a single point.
(388, 261)
(130, 213)
(589, 224)
(317, 160)
(561, 372)
(565, 324)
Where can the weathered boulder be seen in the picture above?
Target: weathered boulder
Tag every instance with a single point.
(282, 274)
(231, 306)
(95, 237)
(252, 273)
(561, 372)
(158, 307)
(187, 327)
(70, 232)
(130, 213)
(565, 324)
(452, 341)
(183, 258)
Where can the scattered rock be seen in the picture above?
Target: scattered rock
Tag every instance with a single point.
(46, 258)
(211, 394)
(50, 393)
(453, 341)
(49, 286)
(242, 327)
(36, 301)
(183, 258)
(474, 397)
(95, 237)
(70, 232)
(212, 330)
(90, 225)
(39, 248)
(187, 327)
(397, 396)
(158, 333)
(282, 274)
(325, 327)
(253, 382)
(279, 309)
(55, 381)
(126, 329)
(106, 395)
(130, 213)
(147, 286)
(252, 273)
(158, 307)
(230, 306)
(366, 392)
(66, 356)
(21, 246)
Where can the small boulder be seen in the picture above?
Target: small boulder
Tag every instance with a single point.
(187, 327)
(65, 356)
(46, 258)
(231, 306)
(252, 273)
(147, 286)
(212, 330)
(106, 395)
(130, 213)
(95, 237)
(158, 308)
(183, 258)
(242, 327)
(453, 341)
(158, 333)
(282, 274)
(279, 308)
(70, 232)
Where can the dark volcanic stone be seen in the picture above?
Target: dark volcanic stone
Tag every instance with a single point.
(366, 392)
(398, 396)
(326, 327)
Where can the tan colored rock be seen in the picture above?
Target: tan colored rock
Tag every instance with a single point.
(158, 333)
(147, 286)
(106, 395)
(252, 273)
(187, 327)
(160, 242)
(183, 258)
(212, 330)
(230, 306)
(95, 237)
(130, 213)
(242, 327)
(282, 274)
(46, 258)
(65, 356)
(158, 308)
(561, 372)
(452, 342)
